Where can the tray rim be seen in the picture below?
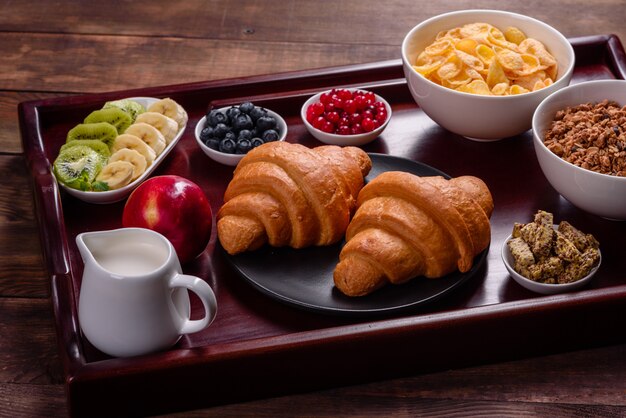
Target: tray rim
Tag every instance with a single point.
(52, 229)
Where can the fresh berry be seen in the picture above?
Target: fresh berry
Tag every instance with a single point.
(243, 146)
(213, 143)
(270, 135)
(220, 130)
(227, 146)
(257, 112)
(214, 117)
(244, 134)
(256, 142)
(206, 133)
(246, 107)
(243, 121)
(232, 114)
(266, 122)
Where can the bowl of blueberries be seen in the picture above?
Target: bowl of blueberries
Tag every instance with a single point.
(228, 133)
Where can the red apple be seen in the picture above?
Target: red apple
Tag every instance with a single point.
(175, 207)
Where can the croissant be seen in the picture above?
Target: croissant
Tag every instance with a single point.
(287, 194)
(407, 226)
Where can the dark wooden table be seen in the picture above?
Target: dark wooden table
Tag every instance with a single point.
(52, 49)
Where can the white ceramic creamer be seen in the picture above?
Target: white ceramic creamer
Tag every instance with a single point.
(133, 297)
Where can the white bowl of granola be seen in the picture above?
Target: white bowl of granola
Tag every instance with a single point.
(582, 149)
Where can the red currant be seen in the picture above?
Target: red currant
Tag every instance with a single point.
(328, 127)
(360, 102)
(344, 94)
(355, 118)
(356, 129)
(332, 116)
(337, 101)
(368, 125)
(318, 122)
(343, 130)
(349, 106)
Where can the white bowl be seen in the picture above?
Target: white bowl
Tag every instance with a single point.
(112, 196)
(233, 159)
(484, 118)
(543, 288)
(344, 140)
(600, 194)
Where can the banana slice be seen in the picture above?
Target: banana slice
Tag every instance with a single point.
(134, 142)
(148, 134)
(116, 174)
(166, 125)
(171, 109)
(132, 156)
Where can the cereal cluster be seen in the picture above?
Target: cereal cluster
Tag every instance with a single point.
(545, 255)
(481, 59)
(591, 136)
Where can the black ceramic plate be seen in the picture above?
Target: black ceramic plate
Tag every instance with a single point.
(304, 277)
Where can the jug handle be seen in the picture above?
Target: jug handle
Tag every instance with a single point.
(206, 295)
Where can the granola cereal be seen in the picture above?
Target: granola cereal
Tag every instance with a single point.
(546, 255)
(591, 136)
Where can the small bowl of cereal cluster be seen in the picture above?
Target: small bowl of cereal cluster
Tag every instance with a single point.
(346, 116)
(580, 141)
(228, 133)
(482, 73)
(548, 258)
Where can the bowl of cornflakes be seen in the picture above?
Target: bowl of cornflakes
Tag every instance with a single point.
(579, 136)
(482, 73)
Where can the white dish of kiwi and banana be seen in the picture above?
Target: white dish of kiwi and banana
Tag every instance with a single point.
(117, 147)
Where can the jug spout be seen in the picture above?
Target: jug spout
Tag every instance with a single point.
(82, 241)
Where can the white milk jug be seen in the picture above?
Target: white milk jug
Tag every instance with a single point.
(133, 297)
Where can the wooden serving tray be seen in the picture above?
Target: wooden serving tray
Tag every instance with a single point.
(258, 347)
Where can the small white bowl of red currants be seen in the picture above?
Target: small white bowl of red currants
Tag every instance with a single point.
(228, 133)
(346, 116)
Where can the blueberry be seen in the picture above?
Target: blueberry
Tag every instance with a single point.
(243, 146)
(206, 133)
(256, 142)
(232, 113)
(266, 122)
(246, 107)
(230, 135)
(257, 112)
(270, 135)
(242, 122)
(245, 134)
(214, 117)
(227, 146)
(220, 130)
(213, 143)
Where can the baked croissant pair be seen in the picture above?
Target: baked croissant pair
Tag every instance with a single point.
(397, 227)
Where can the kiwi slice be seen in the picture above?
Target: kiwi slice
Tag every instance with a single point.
(95, 144)
(113, 115)
(131, 107)
(78, 166)
(102, 131)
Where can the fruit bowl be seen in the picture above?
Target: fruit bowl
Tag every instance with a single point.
(542, 288)
(352, 139)
(597, 193)
(112, 196)
(232, 159)
(475, 116)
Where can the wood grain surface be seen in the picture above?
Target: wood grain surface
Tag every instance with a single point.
(52, 49)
